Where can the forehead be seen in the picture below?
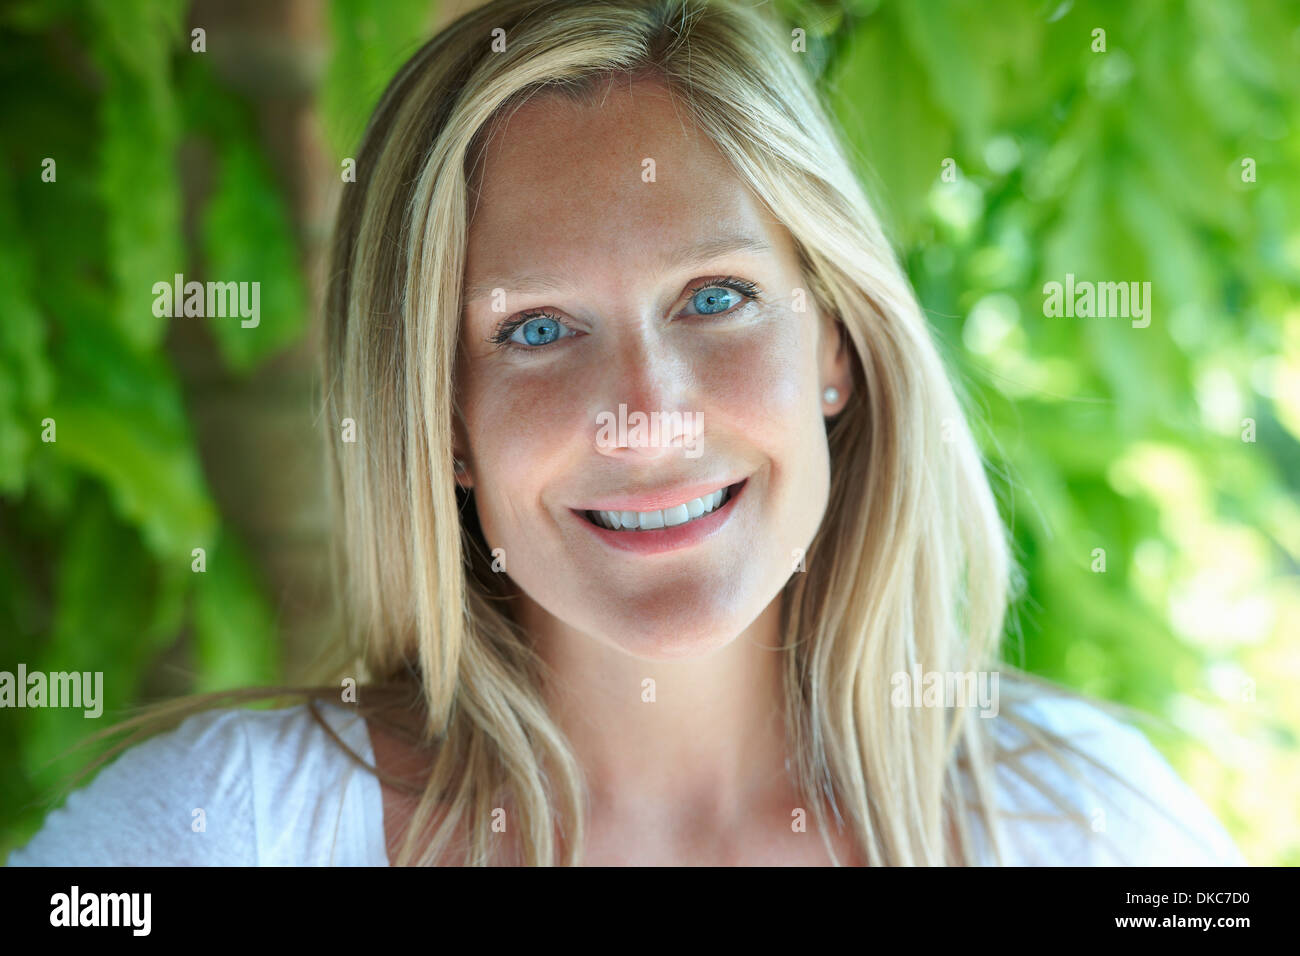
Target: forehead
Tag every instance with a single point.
(621, 180)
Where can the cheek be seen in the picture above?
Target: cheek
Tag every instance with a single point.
(773, 402)
(762, 383)
(515, 417)
(521, 425)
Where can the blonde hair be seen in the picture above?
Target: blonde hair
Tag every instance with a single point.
(911, 566)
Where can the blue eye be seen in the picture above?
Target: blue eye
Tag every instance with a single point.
(542, 330)
(532, 331)
(714, 299)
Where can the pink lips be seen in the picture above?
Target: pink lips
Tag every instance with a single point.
(659, 499)
(665, 539)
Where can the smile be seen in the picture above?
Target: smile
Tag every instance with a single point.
(655, 531)
(684, 513)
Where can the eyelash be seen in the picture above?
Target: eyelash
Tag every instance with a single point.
(501, 337)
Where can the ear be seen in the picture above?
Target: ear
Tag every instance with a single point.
(462, 473)
(463, 469)
(834, 364)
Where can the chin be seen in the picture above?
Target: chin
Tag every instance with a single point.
(672, 638)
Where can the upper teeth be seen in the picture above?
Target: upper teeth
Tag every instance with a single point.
(667, 518)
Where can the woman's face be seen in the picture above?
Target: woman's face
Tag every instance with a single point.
(623, 268)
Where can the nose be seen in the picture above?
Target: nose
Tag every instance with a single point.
(646, 412)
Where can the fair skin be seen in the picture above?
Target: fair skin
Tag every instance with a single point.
(696, 776)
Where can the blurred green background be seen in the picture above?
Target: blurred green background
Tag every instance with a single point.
(1007, 144)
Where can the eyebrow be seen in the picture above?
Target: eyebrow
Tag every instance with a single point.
(703, 250)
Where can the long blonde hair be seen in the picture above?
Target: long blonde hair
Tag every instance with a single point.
(910, 568)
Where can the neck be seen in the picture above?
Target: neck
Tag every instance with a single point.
(705, 743)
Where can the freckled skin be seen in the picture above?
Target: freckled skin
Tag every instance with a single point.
(561, 192)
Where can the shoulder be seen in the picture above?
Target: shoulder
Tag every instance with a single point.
(229, 787)
(178, 798)
(316, 800)
(1136, 810)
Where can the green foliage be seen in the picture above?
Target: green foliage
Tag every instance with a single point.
(139, 131)
(97, 526)
(27, 380)
(235, 639)
(245, 233)
(370, 42)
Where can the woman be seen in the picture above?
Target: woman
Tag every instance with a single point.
(662, 532)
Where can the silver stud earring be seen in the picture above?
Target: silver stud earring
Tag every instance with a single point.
(831, 395)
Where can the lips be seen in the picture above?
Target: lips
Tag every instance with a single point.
(640, 535)
(659, 498)
(652, 520)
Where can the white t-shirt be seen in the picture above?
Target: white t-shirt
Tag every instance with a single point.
(275, 790)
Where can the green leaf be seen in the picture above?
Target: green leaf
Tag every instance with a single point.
(235, 633)
(26, 380)
(370, 43)
(878, 93)
(944, 35)
(132, 43)
(247, 237)
(120, 417)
